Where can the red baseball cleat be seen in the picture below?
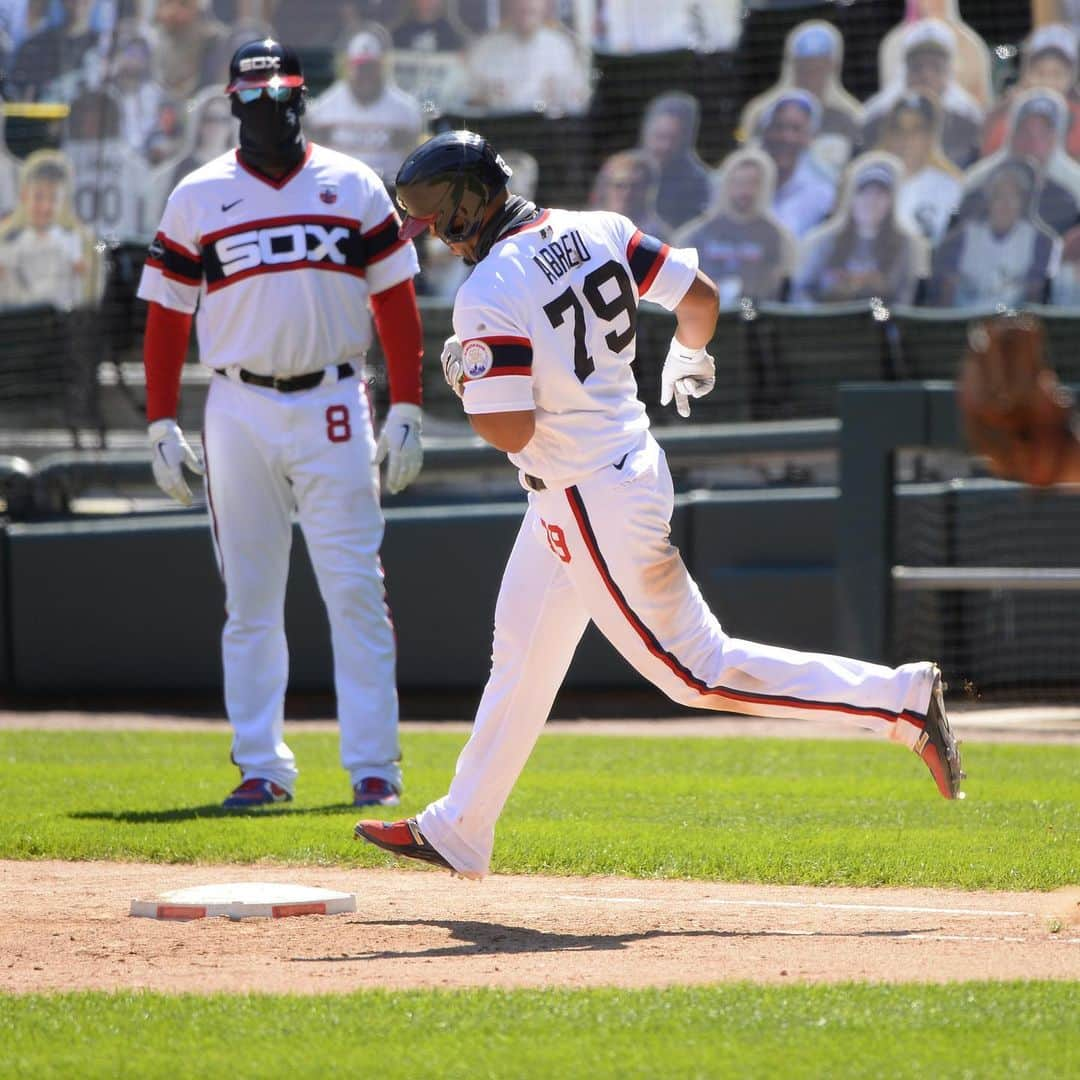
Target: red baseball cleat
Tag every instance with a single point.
(401, 838)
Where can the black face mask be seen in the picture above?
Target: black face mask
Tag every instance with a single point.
(270, 134)
(516, 211)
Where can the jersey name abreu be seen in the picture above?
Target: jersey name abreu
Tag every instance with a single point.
(548, 321)
(562, 255)
(279, 271)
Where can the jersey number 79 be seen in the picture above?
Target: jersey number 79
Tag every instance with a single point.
(622, 303)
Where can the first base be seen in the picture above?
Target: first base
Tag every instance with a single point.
(245, 900)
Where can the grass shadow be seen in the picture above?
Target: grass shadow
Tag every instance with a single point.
(210, 810)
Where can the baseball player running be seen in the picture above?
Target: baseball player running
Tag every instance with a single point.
(281, 246)
(544, 338)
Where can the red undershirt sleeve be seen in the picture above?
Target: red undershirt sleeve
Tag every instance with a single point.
(397, 320)
(164, 348)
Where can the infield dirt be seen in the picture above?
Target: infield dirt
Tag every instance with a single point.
(64, 926)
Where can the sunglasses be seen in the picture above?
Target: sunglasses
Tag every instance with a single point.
(274, 93)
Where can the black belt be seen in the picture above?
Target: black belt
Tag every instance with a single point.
(290, 386)
(534, 483)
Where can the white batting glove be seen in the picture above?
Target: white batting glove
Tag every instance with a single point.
(171, 452)
(399, 441)
(686, 373)
(453, 366)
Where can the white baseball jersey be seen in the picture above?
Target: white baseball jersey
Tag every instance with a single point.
(380, 133)
(248, 251)
(548, 321)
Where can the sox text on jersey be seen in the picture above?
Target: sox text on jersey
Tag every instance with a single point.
(245, 251)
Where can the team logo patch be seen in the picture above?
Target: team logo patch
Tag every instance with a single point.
(259, 63)
(328, 194)
(156, 250)
(477, 359)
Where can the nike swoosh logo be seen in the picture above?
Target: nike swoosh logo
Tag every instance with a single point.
(226, 207)
(404, 436)
(622, 461)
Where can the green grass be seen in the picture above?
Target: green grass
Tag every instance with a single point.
(976, 1030)
(813, 812)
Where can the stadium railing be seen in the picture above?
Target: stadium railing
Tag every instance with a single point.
(977, 573)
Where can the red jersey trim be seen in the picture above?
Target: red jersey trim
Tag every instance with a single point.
(270, 223)
(494, 373)
(282, 268)
(172, 275)
(282, 180)
(179, 248)
(387, 253)
(646, 285)
(392, 216)
(645, 261)
(500, 340)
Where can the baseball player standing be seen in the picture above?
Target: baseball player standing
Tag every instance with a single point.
(282, 246)
(544, 338)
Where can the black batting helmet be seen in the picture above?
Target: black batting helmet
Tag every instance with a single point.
(264, 63)
(449, 183)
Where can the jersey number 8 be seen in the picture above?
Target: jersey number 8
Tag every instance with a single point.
(338, 428)
(622, 303)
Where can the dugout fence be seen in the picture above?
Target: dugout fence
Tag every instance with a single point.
(982, 575)
(81, 372)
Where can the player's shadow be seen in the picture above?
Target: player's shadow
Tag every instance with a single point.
(210, 810)
(486, 939)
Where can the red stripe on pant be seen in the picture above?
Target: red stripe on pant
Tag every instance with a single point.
(649, 640)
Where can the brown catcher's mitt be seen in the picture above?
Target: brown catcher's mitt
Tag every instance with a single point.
(1015, 411)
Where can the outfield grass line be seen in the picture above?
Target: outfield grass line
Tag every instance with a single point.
(989, 913)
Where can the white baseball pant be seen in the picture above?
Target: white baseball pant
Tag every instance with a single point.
(268, 454)
(601, 550)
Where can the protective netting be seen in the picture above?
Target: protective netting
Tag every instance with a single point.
(740, 129)
(998, 642)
